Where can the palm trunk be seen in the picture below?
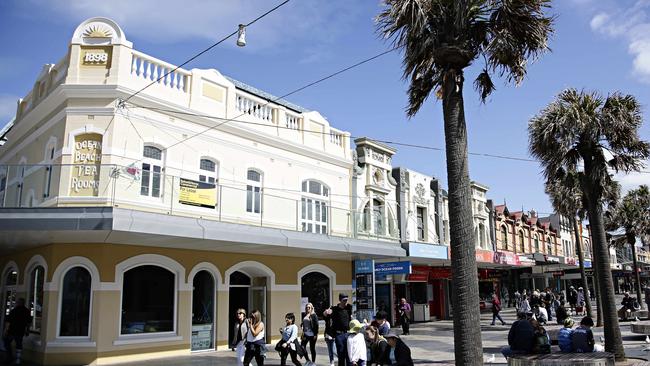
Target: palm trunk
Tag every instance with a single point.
(613, 340)
(599, 307)
(467, 318)
(581, 258)
(631, 239)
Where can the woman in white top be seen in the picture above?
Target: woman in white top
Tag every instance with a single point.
(357, 352)
(255, 344)
(287, 345)
(239, 339)
(525, 305)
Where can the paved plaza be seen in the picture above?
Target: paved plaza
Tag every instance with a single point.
(431, 344)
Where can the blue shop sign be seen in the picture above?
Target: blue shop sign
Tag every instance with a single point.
(363, 266)
(427, 251)
(393, 268)
(587, 264)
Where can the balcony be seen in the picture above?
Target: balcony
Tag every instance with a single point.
(178, 201)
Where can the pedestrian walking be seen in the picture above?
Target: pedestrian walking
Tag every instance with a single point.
(288, 344)
(330, 336)
(16, 327)
(580, 301)
(255, 343)
(397, 353)
(239, 337)
(356, 344)
(525, 308)
(404, 310)
(340, 315)
(496, 309)
(572, 297)
(310, 331)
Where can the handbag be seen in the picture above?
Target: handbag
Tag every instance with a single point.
(300, 350)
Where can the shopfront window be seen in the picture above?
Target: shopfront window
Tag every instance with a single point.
(75, 303)
(148, 300)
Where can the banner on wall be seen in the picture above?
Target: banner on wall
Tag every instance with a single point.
(87, 165)
(197, 193)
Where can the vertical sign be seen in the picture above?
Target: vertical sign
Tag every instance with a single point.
(364, 276)
(87, 165)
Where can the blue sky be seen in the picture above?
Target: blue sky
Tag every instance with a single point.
(599, 45)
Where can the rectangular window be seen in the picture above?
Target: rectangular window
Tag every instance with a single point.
(151, 177)
(420, 217)
(314, 216)
(253, 199)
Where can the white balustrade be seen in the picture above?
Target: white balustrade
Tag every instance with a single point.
(160, 72)
(292, 121)
(254, 108)
(336, 138)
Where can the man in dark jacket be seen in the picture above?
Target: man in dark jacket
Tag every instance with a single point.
(582, 337)
(397, 353)
(340, 316)
(521, 337)
(16, 326)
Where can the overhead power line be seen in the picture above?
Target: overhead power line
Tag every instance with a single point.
(207, 49)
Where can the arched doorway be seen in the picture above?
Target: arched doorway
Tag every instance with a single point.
(247, 291)
(9, 280)
(315, 287)
(203, 306)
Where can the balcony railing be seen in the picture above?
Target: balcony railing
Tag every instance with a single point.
(146, 188)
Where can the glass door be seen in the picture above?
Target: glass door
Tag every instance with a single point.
(203, 296)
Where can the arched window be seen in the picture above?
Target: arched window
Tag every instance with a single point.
(314, 207)
(208, 171)
(253, 191)
(316, 287)
(537, 244)
(481, 236)
(35, 304)
(378, 216)
(504, 237)
(75, 303)
(522, 242)
(151, 171)
(148, 294)
(549, 246)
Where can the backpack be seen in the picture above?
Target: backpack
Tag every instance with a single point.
(542, 344)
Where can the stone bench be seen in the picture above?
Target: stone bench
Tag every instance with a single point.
(563, 359)
(641, 327)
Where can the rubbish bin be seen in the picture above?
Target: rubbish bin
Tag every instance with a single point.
(421, 313)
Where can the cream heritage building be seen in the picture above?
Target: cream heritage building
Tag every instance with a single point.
(135, 230)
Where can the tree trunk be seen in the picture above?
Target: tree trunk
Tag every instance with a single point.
(581, 258)
(599, 307)
(467, 318)
(631, 239)
(613, 340)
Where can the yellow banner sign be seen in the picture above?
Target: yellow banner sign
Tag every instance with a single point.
(197, 193)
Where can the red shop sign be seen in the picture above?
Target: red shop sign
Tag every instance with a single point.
(418, 274)
(440, 273)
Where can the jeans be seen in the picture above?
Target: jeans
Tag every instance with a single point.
(341, 341)
(330, 348)
(254, 351)
(312, 347)
(18, 338)
(497, 316)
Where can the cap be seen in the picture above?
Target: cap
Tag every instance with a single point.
(391, 334)
(343, 296)
(355, 326)
(568, 323)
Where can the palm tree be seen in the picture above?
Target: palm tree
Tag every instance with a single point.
(566, 198)
(576, 130)
(633, 214)
(440, 38)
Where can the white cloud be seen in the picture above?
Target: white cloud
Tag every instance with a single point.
(7, 108)
(634, 180)
(632, 25)
(171, 21)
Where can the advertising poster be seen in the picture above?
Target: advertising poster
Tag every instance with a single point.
(197, 193)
